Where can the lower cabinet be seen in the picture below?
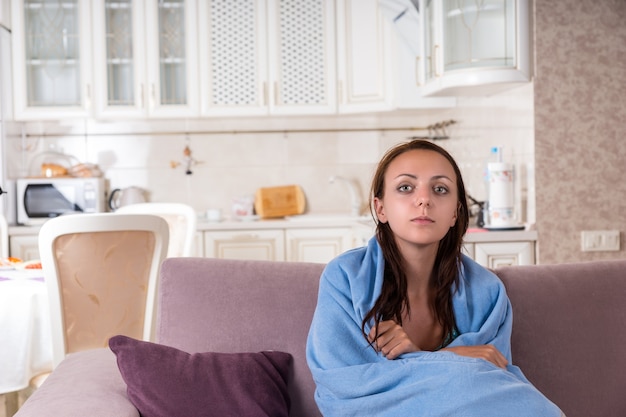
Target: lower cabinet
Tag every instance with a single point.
(291, 244)
(267, 244)
(25, 247)
(494, 255)
(317, 245)
(314, 244)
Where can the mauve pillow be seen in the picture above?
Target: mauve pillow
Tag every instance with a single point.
(164, 381)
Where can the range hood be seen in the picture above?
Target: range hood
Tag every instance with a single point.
(404, 16)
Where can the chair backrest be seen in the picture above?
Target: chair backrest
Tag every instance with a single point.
(4, 237)
(101, 272)
(181, 219)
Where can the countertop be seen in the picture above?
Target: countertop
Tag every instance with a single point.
(317, 222)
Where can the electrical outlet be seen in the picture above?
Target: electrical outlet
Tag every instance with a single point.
(600, 240)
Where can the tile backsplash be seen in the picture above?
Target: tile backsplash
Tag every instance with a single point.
(234, 157)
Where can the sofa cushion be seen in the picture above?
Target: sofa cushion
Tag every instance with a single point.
(164, 381)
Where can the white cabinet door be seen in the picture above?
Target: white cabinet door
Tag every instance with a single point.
(198, 245)
(317, 245)
(493, 255)
(5, 13)
(172, 58)
(364, 60)
(145, 58)
(233, 57)
(475, 47)
(302, 66)
(260, 57)
(25, 247)
(51, 45)
(266, 245)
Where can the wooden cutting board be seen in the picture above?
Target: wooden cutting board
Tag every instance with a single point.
(280, 201)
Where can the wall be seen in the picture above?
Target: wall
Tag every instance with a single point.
(236, 164)
(580, 124)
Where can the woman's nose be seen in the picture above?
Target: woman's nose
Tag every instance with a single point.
(422, 199)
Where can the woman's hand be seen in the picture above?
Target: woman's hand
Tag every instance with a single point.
(392, 339)
(486, 352)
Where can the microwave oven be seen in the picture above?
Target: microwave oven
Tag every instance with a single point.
(39, 199)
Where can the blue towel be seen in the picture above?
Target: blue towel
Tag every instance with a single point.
(354, 380)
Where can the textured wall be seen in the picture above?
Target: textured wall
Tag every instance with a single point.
(580, 124)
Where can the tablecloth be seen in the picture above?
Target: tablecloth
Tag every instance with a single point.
(25, 340)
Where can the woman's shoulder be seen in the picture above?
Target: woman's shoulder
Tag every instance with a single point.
(356, 262)
(472, 273)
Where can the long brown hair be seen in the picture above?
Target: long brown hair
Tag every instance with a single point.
(393, 300)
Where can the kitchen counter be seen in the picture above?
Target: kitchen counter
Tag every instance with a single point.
(319, 221)
(310, 237)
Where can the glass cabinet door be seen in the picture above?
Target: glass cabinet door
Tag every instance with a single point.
(120, 62)
(145, 58)
(172, 60)
(479, 33)
(172, 52)
(52, 54)
(51, 59)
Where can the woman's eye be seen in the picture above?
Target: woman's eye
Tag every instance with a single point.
(405, 188)
(440, 189)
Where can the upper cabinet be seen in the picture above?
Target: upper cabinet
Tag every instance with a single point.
(51, 59)
(262, 57)
(145, 59)
(474, 47)
(233, 50)
(364, 55)
(142, 59)
(5, 14)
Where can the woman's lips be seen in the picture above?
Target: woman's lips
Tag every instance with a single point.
(422, 220)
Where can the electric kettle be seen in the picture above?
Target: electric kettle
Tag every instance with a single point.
(124, 196)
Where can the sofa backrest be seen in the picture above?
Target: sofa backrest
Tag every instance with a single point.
(220, 305)
(569, 333)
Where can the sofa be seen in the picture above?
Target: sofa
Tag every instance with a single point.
(569, 333)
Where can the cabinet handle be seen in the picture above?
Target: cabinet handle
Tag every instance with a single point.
(417, 71)
(152, 95)
(265, 98)
(436, 54)
(340, 92)
(87, 96)
(142, 99)
(276, 93)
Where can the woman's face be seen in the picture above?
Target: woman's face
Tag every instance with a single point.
(420, 197)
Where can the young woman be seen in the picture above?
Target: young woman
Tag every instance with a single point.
(408, 326)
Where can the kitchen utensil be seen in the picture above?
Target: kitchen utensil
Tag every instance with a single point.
(124, 196)
(279, 201)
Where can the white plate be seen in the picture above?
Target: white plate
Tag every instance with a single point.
(250, 218)
(504, 228)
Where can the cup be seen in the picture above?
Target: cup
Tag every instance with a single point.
(214, 215)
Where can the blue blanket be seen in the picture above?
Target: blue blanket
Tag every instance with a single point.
(354, 380)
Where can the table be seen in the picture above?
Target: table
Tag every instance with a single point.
(25, 339)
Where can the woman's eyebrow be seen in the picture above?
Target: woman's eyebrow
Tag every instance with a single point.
(407, 175)
(434, 177)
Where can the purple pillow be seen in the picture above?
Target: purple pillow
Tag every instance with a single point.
(164, 381)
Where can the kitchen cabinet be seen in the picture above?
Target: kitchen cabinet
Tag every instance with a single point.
(25, 247)
(5, 13)
(52, 70)
(364, 58)
(198, 245)
(260, 57)
(267, 244)
(317, 244)
(145, 61)
(494, 255)
(474, 47)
